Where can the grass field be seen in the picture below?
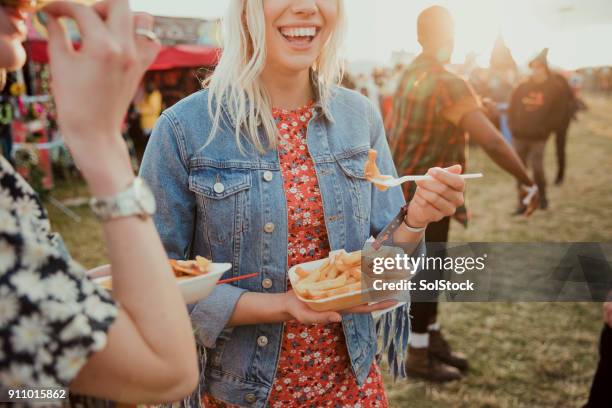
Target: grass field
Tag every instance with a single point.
(522, 354)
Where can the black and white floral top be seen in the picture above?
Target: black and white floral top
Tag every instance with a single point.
(52, 317)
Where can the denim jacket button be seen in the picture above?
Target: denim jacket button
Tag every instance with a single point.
(269, 227)
(219, 188)
(266, 283)
(262, 341)
(250, 398)
(268, 176)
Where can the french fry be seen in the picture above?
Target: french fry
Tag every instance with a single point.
(340, 273)
(326, 284)
(335, 292)
(353, 258)
(355, 272)
(313, 276)
(302, 273)
(325, 272)
(341, 263)
(332, 272)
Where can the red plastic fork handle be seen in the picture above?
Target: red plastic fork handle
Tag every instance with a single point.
(237, 278)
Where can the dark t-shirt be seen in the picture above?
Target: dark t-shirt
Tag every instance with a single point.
(532, 109)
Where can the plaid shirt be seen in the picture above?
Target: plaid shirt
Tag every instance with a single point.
(424, 128)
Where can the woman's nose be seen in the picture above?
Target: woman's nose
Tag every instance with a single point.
(305, 7)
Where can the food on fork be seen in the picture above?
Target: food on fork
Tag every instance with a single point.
(372, 172)
(339, 274)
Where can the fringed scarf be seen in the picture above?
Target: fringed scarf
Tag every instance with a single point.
(393, 326)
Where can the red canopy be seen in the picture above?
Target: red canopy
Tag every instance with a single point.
(178, 56)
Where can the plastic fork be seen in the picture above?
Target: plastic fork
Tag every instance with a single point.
(392, 182)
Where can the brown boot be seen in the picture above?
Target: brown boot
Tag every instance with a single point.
(440, 349)
(420, 364)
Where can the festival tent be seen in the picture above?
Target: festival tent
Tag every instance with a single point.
(186, 42)
(170, 57)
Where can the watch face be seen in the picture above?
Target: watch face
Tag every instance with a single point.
(145, 196)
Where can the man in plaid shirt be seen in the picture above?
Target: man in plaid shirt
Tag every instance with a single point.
(433, 109)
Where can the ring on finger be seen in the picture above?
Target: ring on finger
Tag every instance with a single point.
(145, 32)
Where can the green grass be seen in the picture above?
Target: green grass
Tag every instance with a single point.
(529, 354)
(522, 354)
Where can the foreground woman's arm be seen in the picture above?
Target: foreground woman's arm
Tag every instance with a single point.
(150, 352)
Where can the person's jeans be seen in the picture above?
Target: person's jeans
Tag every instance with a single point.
(601, 394)
(422, 314)
(561, 142)
(531, 153)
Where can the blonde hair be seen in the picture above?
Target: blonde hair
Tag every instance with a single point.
(236, 82)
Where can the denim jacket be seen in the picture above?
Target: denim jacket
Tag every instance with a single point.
(229, 206)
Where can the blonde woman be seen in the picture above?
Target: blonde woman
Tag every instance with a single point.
(264, 169)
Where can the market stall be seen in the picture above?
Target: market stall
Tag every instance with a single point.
(190, 51)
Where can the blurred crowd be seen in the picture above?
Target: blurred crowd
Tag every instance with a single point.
(501, 88)
(433, 109)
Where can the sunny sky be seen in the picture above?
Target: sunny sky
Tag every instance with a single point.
(578, 32)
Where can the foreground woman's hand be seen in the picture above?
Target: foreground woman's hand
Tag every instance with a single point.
(93, 87)
(140, 362)
(437, 198)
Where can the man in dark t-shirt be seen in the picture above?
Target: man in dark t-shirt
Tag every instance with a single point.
(532, 119)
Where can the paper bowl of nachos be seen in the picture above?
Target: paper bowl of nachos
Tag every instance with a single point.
(196, 279)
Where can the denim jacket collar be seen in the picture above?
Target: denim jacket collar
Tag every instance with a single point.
(319, 106)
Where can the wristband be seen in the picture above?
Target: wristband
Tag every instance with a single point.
(413, 229)
(531, 192)
(385, 236)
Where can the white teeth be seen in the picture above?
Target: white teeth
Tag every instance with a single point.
(299, 31)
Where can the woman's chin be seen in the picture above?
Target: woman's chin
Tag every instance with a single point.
(12, 54)
(299, 64)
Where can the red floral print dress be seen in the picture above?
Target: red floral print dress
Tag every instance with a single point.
(314, 368)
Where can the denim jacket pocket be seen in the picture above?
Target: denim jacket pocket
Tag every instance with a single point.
(222, 199)
(352, 165)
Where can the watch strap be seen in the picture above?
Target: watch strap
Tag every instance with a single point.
(124, 204)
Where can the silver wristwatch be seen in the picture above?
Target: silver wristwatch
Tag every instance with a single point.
(137, 200)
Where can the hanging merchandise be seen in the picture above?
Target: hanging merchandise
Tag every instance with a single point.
(6, 113)
(18, 89)
(6, 136)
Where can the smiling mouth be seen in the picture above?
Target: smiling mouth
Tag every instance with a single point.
(299, 35)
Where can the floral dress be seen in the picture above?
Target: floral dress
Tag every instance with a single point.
(314, 367)
(52, 317)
